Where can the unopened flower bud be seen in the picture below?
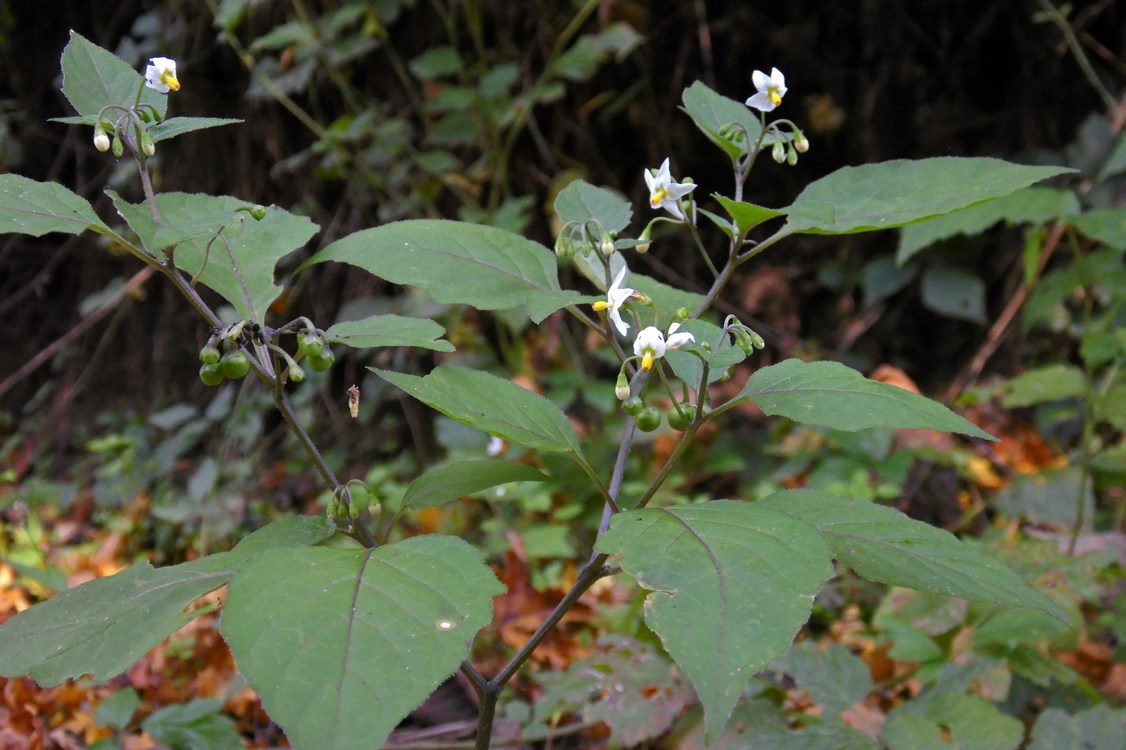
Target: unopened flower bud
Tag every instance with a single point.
(621, 388)
(644, 239)
(607, 245)
(683, 313)
(258, 211)
(792, 156)
(118, 146)
(801, 144)
(147, 146)
(779, 152)
(101, 139)
(564, 248)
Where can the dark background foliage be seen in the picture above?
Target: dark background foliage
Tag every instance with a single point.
(869, 81)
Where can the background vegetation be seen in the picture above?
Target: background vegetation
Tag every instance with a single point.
(359, 113)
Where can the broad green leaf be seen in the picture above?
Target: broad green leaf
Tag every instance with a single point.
(833, 395)
(1106, 225)
(721, 355)
(36, 208)
(666, 298)
(894, 193)
(822, 736)
(117, 710)
(1115, 163)
(1044, 384)
(435, 63)
(192, 221)
(627, 685)
(199, 725)
(711, 111)
(834, 677)
(747, 215)
(175, 126)
(882, 544)
(102, 627)
(954, 292)
(881, 277)
(1098, 727)
(341, 644)
(580, 201)
(390, 330)
(491, 404)
(732, 584)
(94, 77)
(485, 267)
(1030, 205)
(446, 483)
(953, 720)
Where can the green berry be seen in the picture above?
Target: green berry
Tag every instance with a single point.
(310, 346)
(211, 373)
(633, 405)
(322, 363)
(235, 364)
(209, 355)
(680, 416)
(649, 419)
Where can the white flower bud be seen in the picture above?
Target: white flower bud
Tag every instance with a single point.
(779, 152)
(101, 139)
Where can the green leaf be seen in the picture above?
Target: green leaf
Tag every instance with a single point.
(627, 685)
(191, 221)
(834, 677)
(102, 627)
(833, 395)
(117, 710)
(732, 584)
(175, 126)
(722, 355)
(823, 736)
(954, 292)
(1043, 384)
(435, 63)
(1030, 205)
(341, 644)
(747, 215)
(894, 193)
(390, 330)
(36, 208)
(711, 111)
(953, 720)
(582, 202)
(197, 725)
(1099, 726)
(94, 77)
(485, 267)
(881, 278)
(882, 544)
(446, 483)
(491, 404)
(1106, 225)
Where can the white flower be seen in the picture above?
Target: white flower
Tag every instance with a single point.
(663, 192)
(771, 89)
(676, 340)
(651, 344)
(161, 75)
(615, 296)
